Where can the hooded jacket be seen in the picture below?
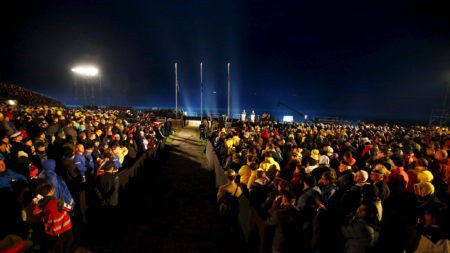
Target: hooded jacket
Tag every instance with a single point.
(361, 236)
(70, 173)
(245, 172)
(270, 167)
(59, 187)
(441, 172)
(417, 175)
(397, 181)
(301, 203)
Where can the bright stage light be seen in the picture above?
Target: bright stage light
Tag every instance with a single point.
(86, 71)
(288, 119)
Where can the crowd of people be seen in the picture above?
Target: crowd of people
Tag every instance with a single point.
(27, 97)
(48, 155)
(163, 112)
(334, 188)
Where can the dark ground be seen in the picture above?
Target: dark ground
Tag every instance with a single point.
(170, 207)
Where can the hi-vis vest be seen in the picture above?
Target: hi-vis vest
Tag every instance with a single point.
(55, 223)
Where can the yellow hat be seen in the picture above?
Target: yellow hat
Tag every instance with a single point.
(99, 132)
(223, 130)
(59, 113)
(298, 151)
(315, 154)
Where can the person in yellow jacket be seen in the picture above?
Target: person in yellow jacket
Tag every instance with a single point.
(245, 171)
(270, 166)
(254, 167)
(120, 153)
(236, 140)
(229, 142)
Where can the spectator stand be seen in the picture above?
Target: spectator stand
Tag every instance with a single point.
(27, 97)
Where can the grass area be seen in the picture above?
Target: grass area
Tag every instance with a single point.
(202, 144)
(171, 137)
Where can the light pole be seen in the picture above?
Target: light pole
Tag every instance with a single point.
(228, 90)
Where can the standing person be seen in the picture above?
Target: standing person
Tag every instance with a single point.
(57, 222)
(362, 233)
(80, 160)
(323, 236)
(383, 190)
(286, 221)
(202, 129)
(107, 185)
(107, 191)
(227, 197)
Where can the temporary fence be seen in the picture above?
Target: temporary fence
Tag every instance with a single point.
(251, 223)
(125, 176)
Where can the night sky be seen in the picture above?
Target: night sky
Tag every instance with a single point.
(377, 61)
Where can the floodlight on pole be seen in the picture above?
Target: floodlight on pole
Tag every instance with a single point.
(86, 74)
(86, 71)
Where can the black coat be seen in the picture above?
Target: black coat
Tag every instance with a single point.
(133, 149)
(287, 230)
(70, 172)
(323, 233)
(384, 191)
(107, 188)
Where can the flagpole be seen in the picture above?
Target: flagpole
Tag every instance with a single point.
(201, 92)
(228, 91)
(176, 95)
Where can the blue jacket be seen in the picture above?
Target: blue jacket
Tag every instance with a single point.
(89, 161)
(301, 202)
(7, 177)
(60, 188)
(80, 162)
(117, 164)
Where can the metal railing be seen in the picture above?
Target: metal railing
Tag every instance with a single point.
(191, 114)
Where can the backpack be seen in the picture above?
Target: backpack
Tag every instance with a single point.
(228, 203)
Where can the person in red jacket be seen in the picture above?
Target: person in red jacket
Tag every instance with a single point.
(441, 169)
(54, 214)
(398, 180)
